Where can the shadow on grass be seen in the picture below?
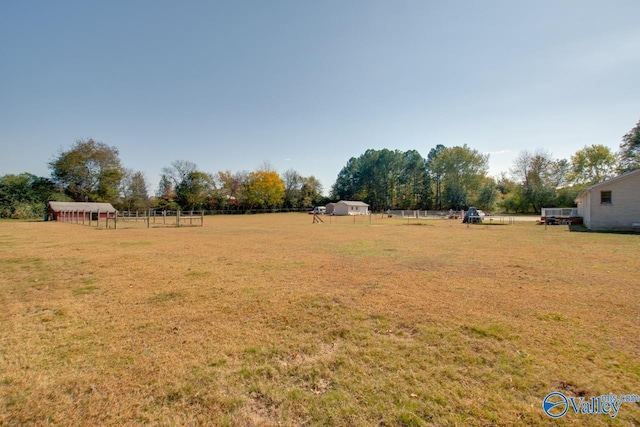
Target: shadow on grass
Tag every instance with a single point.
(582, 229)
(487, 224)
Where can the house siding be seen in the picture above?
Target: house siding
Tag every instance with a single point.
(584, 209)
(347, 208)
(621, 213)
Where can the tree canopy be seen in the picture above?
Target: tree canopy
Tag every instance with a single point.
(461, 171)
(195, 190)
(88, 171)
(388, 179)
(301, 192)
(385, 179)
(25, 195)
(264, 189)
(593, 164)
(448, 178)
(630, 150)
(133, 192)
(535, 172)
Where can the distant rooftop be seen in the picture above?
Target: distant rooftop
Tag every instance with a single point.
(81, 206)
(353, 203)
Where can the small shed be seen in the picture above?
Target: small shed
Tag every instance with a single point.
(347, 207)
(101, 210)
(612, 204)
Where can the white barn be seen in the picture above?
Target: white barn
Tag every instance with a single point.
(345, 207)
(612, 204)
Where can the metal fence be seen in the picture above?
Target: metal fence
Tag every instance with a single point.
(450, 214)
(559, 212)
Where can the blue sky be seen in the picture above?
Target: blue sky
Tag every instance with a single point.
(306, 85)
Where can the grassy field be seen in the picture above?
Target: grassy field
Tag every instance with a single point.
(272, 320)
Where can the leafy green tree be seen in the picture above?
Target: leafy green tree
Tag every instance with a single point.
(566, 196)
(561, 173)
(592, 164)
(195, 191)
(487, 196)
(292, 188)
(26, 195)
(504, 185)
(630, 150)
(311, 192)
(385, 179)
(231, 192)
(437, 172)
(514, 201)
(133, 191)
(264, 189)
(539, 177)
(509, 194)
(348, 185)
(89, 171)
(179, 186)
(415, 182)
(379, 178)
(462, 171)
(166, 195)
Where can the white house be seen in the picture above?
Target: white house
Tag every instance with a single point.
(612, 204)
(344, 207)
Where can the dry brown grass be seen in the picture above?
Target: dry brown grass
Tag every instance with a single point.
(273, 320)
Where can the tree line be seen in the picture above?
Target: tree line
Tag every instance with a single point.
(91, 171)
(184, 186)
(456, 177)
(448, 178)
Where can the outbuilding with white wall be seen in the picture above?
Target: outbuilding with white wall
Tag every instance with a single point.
(347, 207)
(612, 204)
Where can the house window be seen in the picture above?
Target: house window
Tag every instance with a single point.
(605, 197)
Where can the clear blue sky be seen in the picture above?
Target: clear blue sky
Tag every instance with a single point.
(306, 85)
